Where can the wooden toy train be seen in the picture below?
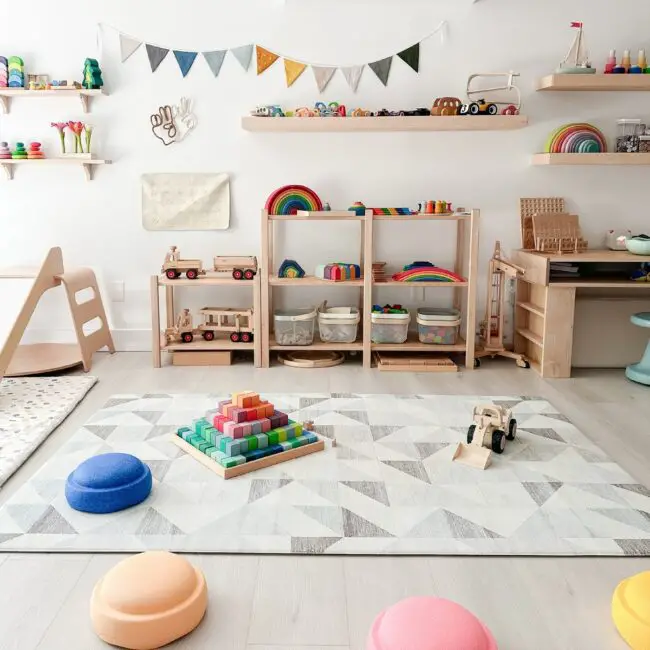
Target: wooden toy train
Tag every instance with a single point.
(241, 267)
(237, 323)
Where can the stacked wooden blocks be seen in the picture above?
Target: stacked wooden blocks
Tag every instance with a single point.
(244, 429)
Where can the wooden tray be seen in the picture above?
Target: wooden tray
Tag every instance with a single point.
(420, 362)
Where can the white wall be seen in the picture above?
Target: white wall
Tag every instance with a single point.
(99, 223)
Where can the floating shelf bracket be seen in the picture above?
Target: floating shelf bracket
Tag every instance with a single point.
(6, 104)
(9, 171)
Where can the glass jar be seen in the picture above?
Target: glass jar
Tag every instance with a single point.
(628, 135)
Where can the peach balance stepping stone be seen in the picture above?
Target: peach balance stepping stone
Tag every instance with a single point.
(428, 623)
(148, 601)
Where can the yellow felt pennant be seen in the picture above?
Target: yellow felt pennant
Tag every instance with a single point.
(265, 59)
(292, 70)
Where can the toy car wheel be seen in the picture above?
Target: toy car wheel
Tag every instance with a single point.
(522, 363)
(192, 274)
(246, 337)
(470, 433)
(234, 337)
(171, 274)
(238, 274)
(498, 441)
(477, 363)
(474, 109)
(208, 335)
(492, 109)
(512, 429)
(187, 337)
(464, 110)
(249, 274)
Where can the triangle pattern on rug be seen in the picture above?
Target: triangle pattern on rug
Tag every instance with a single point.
(52, 523)
(380, 431)
(5, 537)
(637, 488)
(412, 468)
(118, 401)
(356, 526)
(540, 493)
(261, 487)
(155, 524)
(374, 489)
(329, 516)
(159, 468)
(549, 434)
(427, 449)
(312, 545)
(150, 416)
(357, 416)
(307, 402)
(101, 430)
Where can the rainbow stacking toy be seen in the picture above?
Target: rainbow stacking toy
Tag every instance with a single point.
(426, 272)
(243, 434)
(291, 198)
(338, 272)
(576, 138)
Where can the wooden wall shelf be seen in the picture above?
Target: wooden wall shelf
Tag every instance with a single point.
(591, 158)
(398, 123)
(595, 82)
(88, 164)
(7, 94)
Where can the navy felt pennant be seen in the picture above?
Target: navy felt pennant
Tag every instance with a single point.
(185, 60)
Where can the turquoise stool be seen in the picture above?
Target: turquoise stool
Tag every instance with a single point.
(640, 372)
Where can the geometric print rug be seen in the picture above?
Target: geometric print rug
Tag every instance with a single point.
(388, 487)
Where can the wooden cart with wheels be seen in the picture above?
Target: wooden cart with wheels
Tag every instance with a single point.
(238, 323)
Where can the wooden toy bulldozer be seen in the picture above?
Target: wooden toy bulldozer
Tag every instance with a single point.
(492, 426)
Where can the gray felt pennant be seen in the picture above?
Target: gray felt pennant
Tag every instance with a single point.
(323, 76)
(215, 60)
(156, 56)
(243, 54)
(382, 69)
(353, 75)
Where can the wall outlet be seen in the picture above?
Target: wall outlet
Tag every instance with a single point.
(116, 291)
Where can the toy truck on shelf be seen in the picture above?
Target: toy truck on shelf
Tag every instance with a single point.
(241, 268)
(173, 266)
(238, 323)
(492, 426)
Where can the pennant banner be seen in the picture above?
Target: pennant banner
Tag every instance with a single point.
(292, 70)
(353, 75)
(128, 46)
(411, 56)
(243, 54)
(156, 56)
(215, 60)
(323, 76)
(265, 59)
(185, 60)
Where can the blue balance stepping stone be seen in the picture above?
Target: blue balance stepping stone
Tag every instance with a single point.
(108, 483)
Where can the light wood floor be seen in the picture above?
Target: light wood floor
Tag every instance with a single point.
(310, 603)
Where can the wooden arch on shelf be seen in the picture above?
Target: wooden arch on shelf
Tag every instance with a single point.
(39, 358)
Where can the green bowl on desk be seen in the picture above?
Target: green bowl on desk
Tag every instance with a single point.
(638, 245)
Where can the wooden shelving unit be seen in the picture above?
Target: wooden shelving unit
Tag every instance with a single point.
(594, 82)
(199, 344)
(466, 264)
(82, 94)
(88, 164)
(591, 158)
(397, 123)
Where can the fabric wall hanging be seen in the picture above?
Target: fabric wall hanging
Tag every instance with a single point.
(185, 201)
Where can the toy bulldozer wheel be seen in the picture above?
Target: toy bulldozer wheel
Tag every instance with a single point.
(498, 441)
(470, 433)
(512, 429)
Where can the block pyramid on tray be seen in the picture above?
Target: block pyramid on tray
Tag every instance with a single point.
(243, 429)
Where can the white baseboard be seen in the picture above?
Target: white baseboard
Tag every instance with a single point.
(126, 340)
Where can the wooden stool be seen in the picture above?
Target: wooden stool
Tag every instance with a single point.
(640, 372)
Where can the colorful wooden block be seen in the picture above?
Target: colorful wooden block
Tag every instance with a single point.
(199, 424)
(262, 440)
(262, 453)
(243, 445)
(278, 419)
(218, 421)
(246, 399)
(273, 437)
(252, 443)
(232, 461)
(181, 430)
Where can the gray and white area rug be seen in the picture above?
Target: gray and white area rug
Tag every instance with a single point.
(389, 487)
(30, 409)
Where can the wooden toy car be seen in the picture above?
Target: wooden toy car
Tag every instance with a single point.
(178, 335)
(492, 426)
(268, 111)
(417, 112)
(480, 107)
(242, 267)
(446, 106)
(483, 107)
(175, 268)
(238, 322)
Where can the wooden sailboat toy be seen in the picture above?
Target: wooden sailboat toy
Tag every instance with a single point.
(577, 60)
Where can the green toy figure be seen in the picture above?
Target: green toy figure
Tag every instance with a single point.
(92, 75)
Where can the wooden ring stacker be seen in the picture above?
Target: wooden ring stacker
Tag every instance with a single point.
(311, 359)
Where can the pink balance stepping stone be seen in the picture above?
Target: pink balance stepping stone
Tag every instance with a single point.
(148, 601)
(427, 623)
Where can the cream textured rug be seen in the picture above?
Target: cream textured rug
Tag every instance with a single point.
(389, 486)
(30, 409)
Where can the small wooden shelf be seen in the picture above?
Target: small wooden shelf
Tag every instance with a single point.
(311, 281)
(318, 345)
(595, 82)
(533, 309)
(448, 216)
(88, 164)
(84, 95)
(332, 215)
(591, 158)
(204, 281)
(201, 344)
(397, 123)
(423, 285)
(531, 336)
(413, 344)
(598, 283)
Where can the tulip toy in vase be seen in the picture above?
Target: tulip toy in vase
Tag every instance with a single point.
(79, 144)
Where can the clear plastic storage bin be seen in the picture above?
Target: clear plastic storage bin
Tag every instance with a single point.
(294, 326)
(338, 324)
(390, 328)
(438, 326)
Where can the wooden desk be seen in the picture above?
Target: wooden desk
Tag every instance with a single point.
(545, 307)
